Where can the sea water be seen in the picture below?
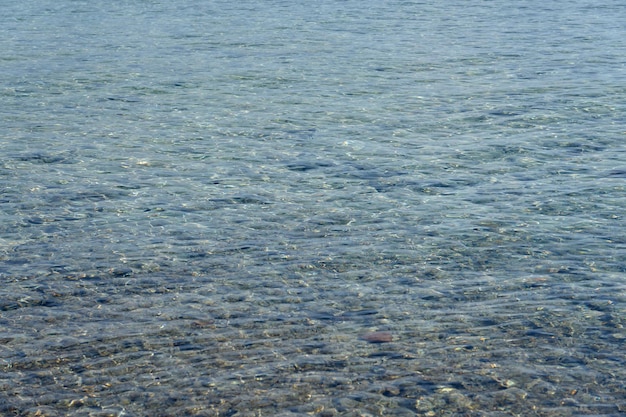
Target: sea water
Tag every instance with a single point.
(214, 208)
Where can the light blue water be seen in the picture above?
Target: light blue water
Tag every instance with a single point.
(207, 206)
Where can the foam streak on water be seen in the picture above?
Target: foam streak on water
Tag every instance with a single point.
(210, 208)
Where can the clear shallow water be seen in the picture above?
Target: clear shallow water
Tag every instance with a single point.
(206, 207)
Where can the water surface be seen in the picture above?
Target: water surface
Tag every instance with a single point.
(207, 207)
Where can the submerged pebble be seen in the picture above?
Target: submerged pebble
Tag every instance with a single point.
(377, 337)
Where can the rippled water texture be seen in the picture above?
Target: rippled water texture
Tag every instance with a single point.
(334, 208)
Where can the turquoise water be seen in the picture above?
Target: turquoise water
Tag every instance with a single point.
(208, 208)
